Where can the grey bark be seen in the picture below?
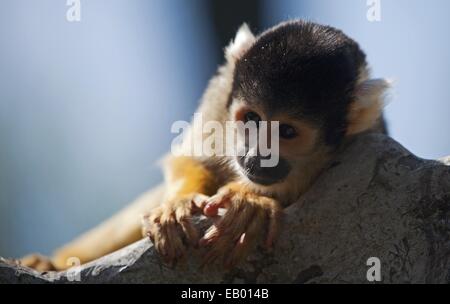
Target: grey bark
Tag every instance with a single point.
(375, 200)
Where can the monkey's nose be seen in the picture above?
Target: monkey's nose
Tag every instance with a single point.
(260, 174)
(254, 164)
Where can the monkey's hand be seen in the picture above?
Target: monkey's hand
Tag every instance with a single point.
(38, 262)
(248, 217)
(170, 228)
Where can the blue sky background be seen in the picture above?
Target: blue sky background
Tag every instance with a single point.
(86, 108)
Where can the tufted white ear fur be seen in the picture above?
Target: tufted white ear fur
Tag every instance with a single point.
(241, 43)
(367, 107)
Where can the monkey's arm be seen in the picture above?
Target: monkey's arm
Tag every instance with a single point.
(185, 177)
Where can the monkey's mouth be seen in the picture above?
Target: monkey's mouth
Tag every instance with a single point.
(250, 167)
(261, 180)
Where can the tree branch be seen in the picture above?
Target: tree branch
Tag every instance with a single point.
(376, 200)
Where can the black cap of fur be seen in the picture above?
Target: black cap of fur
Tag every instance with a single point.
(305, 69)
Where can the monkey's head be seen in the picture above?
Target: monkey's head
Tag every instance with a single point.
(311, 79)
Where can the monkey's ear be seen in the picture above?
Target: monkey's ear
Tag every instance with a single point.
(241, 43)
(367, 106)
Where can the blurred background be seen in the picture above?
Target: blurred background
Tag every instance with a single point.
(86, 107)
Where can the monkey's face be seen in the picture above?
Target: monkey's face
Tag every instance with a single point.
(290, 141)
(312, 80)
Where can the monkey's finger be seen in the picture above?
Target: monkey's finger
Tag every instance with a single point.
(247, 240)
(189, 231)
(274, 212)
(211, 208)
(231, 244)
(168, 232)
(147, 232)
(237, 254)
(199, 201)
(273, 227)
(210, 235)
(158, 239)
(218, 251)
(151, 227)
(152, 230)
(165, 221)
(214, 203)
(233, 224)
(213, 232)
(174, 244)
(147, 224)
(183, 217)
(236, 219)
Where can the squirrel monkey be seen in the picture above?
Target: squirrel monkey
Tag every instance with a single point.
(311, 79)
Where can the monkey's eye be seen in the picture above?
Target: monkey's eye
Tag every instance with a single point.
(287, 132)
(252, 116)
